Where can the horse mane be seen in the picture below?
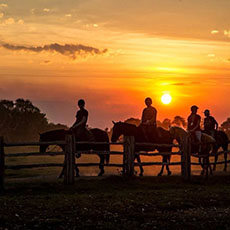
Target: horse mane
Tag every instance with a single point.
(178, 128)
(51, 132)
(127, 124)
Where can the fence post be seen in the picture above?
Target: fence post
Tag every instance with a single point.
(183, 153)
(2, 164)
(187, 159)
(69, 160)
(129, 154)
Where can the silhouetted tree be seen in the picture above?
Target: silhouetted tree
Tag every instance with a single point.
(179, 121)
(21, 120)
(225, 126)
(133, 121)
(166, 123)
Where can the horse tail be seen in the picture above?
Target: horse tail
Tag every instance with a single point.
(107, 157)
(225, 140)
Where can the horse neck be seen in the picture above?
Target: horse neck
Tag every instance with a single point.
(129, 130)
(181, 135)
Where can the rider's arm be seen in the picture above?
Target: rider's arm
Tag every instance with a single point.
(197, 125)
(142, 117)
(80, 123)
(216, 124)
(153, 119)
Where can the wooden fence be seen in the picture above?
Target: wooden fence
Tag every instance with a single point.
(70, 151)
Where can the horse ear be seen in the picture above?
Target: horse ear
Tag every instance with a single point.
(114, 122)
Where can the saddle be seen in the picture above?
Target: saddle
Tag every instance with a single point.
(83, 134)
(212, 133)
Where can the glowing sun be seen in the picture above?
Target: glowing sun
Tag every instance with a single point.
(166, 98)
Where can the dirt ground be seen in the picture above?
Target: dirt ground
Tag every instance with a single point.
(115, 202)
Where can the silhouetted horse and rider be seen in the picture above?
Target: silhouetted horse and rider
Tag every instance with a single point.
(211, 128)
(146, 132)
(81, 134)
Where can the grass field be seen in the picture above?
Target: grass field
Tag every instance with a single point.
(116, 202)
(36, 199)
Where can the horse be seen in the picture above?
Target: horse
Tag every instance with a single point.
(180, 135)
(221, 142)
(122, 128)
(98, 136)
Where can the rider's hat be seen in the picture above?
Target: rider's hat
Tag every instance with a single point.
(194, 107)
(206, 111)
(148, 99)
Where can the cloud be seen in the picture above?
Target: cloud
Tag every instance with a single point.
(3, 5)
(68, 15)
(9, 21)
(20, 22)
(69, 50)
(1, 15)
(227, 33)
(32, 11)
(214, 31)
(47, 10)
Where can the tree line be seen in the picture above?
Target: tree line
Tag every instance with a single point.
(23, 121)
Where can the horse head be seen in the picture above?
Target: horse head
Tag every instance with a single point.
(178, 133)
(118, 130)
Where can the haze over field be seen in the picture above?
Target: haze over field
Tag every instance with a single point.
(114, 54)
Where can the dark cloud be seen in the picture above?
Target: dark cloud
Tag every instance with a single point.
(69, 50)
(186, 83)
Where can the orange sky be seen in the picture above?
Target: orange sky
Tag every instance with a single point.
(128, 50)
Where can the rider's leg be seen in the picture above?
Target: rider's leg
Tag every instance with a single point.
(212, 133)
(145, 132)
(198, 137)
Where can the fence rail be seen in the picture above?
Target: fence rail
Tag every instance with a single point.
(16, 144)
(128, 154)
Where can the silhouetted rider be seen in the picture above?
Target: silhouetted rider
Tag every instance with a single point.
(194, 124)
(148, 121)
(210, 124)
(79, 127)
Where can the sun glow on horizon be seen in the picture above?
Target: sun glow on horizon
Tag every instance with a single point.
(166, 99)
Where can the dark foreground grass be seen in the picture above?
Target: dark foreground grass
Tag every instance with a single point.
(117, 203)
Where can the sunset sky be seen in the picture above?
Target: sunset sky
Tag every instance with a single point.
(114, 53)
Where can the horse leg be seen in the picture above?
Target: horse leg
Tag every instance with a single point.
(140, 165)
(101, 165)
(167, 167)
(62, 171)
(202, 165)
(214, 166)
(76, 169)
(209, 166)
(162, 170)
(206, 167)
(225, 159)
(162, 167)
